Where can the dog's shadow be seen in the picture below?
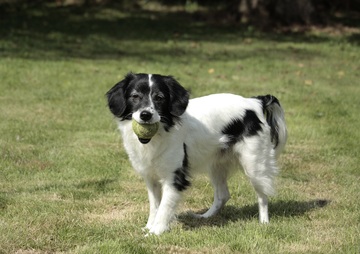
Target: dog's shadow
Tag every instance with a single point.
(233, 213)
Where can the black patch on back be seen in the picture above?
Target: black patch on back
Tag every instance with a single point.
(239, 128)
(181, 181)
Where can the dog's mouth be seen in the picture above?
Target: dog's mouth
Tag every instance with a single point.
(144, 140)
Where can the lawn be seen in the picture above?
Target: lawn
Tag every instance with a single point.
(66, 185)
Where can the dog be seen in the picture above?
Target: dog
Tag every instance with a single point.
(214, 134)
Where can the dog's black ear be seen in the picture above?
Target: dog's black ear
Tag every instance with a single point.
(116, 96)
(179, 97)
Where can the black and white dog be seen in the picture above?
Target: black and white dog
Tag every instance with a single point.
(211, 134)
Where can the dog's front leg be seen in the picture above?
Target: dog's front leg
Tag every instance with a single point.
(166, 211)
(154, 193)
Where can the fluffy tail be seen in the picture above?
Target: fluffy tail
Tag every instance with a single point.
(274, 114)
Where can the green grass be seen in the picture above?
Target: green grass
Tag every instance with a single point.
(66, 184)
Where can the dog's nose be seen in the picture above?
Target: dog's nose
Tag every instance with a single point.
(145, 115)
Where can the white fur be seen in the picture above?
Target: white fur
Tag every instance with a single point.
(150, 81)
(200, 129)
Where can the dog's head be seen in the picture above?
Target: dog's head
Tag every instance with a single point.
(148, 99)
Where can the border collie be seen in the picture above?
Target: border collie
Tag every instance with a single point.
(214, 134)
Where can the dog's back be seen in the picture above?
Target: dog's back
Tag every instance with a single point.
(219, 123)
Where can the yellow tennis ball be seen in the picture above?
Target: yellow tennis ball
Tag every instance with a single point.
(145, 131)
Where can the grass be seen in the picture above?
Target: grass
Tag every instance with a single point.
(66, 185)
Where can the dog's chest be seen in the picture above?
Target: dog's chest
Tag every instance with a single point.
(152, 158)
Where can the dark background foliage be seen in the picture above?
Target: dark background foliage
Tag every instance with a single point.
(261, 13)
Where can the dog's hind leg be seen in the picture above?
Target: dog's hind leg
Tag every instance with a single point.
(263, 207)
(221, 192)
(260, 186)
(260, 167)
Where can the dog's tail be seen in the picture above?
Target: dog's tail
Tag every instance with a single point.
(274, 114)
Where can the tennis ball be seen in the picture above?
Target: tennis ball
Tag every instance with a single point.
(145, 131)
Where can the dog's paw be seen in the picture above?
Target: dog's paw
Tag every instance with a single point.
(264, 221)
(197, 215)
(158, 229)
(147, 227)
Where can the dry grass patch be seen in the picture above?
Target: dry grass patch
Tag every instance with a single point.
(29, 251)
(125, 211)
(222, 248)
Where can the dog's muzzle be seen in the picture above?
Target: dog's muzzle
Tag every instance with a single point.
(145, 115)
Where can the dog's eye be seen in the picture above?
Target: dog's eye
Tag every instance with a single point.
(135, 97)
(159, 97)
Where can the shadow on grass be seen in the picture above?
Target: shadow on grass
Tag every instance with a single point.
(232, 213)
(98, 185)
(109, 33)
